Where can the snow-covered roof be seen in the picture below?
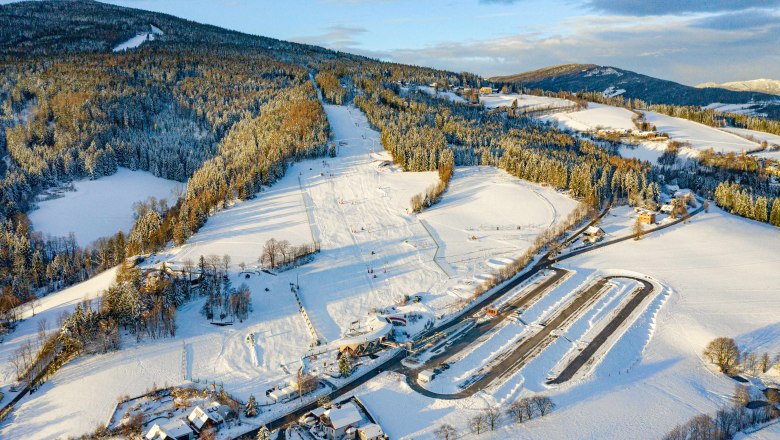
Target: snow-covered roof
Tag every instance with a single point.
(593, 230)
(371, 430)
(283, 393)
(426, 374)
(174, 429)
(347, 415)
(198, 417)
(378, 328)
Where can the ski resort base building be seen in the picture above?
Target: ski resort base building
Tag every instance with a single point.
(373, 338)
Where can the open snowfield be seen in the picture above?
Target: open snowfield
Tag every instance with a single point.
(596, 116)
(139, 39)
(523, 101)
(698, 135)
(102, 207)
(441, 94)
(772, 140)
(488, 217)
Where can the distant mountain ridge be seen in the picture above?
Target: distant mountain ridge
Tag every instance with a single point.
(40, 28)
(771, 86)
(613, 81)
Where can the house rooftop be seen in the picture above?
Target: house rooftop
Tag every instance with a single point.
(371, 430)
(346, 415)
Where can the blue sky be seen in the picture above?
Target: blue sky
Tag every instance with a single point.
(689, 41)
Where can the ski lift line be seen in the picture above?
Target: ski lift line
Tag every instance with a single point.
(309, 212)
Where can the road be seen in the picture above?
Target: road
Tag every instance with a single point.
(395, 362)
(585, 355)
(529, 348)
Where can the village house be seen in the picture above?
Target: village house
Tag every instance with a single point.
(200, 419)
(337, 421)
(174, 430)
(647, 217)
(593, 234)
(485, 90)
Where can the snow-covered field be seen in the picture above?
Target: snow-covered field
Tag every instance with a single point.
(719, 272)
(596, 116)
(139, 39)
(441, 94)
(698, 135)
(101, 207)
(523, 101)
(472, 243)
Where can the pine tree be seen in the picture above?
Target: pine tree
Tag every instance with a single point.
(774, 217)
(250, 409)
(345, 365)
(638, 229)
(263, 433)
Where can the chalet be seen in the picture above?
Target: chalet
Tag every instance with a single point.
(337, 421)
(647, 217)
(485, 90)
(200, 419)
(174, 430)
(667, 208)
(593, 234)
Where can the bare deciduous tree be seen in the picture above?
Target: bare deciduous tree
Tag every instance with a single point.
(723, 352)
(445, 432)
(477, 424)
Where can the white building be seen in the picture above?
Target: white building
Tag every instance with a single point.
(425, 376)
(174, 430)
(337, 421)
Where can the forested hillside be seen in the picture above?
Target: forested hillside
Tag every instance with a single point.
(631, 85)
(221, 110)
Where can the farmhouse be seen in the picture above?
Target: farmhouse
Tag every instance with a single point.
(647, 217)
(485, 90)
(175, 430)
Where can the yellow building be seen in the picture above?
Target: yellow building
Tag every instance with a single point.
(485, 90)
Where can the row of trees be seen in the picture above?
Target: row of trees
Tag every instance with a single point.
(281, 254)
(433, 194)
(724, 353)
(518, 412)
(741, 201)
(728, 420)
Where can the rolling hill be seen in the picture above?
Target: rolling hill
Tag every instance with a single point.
(613, 81)
(771, 86)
